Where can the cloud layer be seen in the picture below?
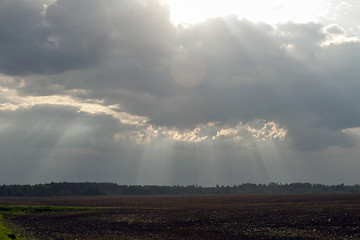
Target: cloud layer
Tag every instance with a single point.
(93, 77)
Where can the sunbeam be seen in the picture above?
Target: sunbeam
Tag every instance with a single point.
(283, 163)
(156, 164)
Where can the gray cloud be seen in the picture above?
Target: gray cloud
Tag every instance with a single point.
(255, 71)
(55, 142)
(22, 36)
(70, 35)
(247, 70)
(207, 84)
(29, 39)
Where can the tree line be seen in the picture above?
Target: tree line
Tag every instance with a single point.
(92, 188)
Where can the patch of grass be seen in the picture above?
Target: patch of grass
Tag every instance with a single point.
(17, 210)
(7, 234)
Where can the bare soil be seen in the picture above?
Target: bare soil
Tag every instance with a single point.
(266, 216)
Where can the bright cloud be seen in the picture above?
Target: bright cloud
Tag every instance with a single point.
(256, 10)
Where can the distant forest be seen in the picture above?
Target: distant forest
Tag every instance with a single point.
(92, 188)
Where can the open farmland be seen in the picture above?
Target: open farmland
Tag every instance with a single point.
(266, 216)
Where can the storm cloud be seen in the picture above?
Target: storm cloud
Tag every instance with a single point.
(120, 75)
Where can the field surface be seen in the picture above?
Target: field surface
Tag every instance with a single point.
(268, 216)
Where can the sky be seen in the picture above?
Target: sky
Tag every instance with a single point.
(179, 92)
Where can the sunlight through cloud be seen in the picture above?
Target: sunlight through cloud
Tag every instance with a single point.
(194, 11)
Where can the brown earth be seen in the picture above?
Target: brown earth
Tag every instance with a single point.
(266, 216)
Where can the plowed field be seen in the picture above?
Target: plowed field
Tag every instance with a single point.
(297, 216)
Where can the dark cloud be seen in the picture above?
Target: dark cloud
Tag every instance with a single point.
(30, 40)
(282, 74)
(303, 76)
(23, 36)
(237, 70)
(70, 35)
